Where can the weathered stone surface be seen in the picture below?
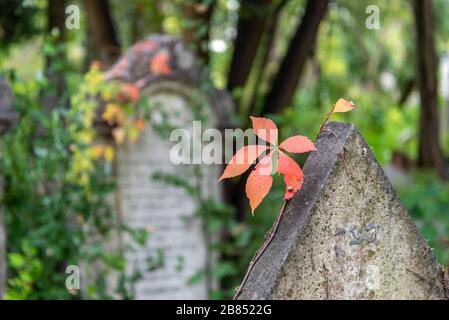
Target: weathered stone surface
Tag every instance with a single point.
(345, 234)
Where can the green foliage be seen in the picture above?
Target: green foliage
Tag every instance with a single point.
(52, 219)
(427, 200)
(18, 21)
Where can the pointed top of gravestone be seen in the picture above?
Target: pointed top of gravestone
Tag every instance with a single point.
(157, 57)
(7, 116)
(345, 234)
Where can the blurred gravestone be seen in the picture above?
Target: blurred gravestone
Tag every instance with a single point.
(7, 118)
(346, 234)
(177, 250)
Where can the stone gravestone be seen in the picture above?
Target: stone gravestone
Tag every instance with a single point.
(345, 234)
(7, 118)
(176, 235)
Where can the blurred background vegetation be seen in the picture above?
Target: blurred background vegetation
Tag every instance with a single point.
(289, 60)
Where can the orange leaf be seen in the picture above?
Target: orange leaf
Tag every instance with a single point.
(265, 129)
(140, 124)
(343, 105)
(131, 91)
(293, 175)
(297, 144)
(160, 64)
(242, 160)
(95, 65)
(257, 187)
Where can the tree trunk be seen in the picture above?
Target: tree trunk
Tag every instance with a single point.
(196, 33)
(55, 20)
(267, 47)
(430, 152)
(2, 241)
(251, 25)
(287, 78)
(2, 245)
(101, 32)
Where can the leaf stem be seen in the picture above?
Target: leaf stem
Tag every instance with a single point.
(328, 116)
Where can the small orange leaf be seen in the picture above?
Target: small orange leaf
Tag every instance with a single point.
(265, 129)
(297, 144)
(343, 105)
(131, 92)
(160, 64)
(97, 151)
(140, 124)
(95, 65)
(293, 175)
(257, 187)
(242, 160)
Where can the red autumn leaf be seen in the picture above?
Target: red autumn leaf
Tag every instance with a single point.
(260, 179)
(293, 175)
(130, 92)
(257, 187)
(343, 105)
(265, 129)
(160, 64)
(297, 144)
(266, 163)
(242, 160)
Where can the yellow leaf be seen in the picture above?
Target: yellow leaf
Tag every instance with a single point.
(113, 114)
(119, 135)
(97, 151)
(133, 134)
(109, 153)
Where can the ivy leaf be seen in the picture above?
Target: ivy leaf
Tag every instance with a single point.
(343, 105)
(293, 175)
(265, 129)
(242, 160)
(297, 144)
(257, 186)
(160, 64)
(113, 114)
